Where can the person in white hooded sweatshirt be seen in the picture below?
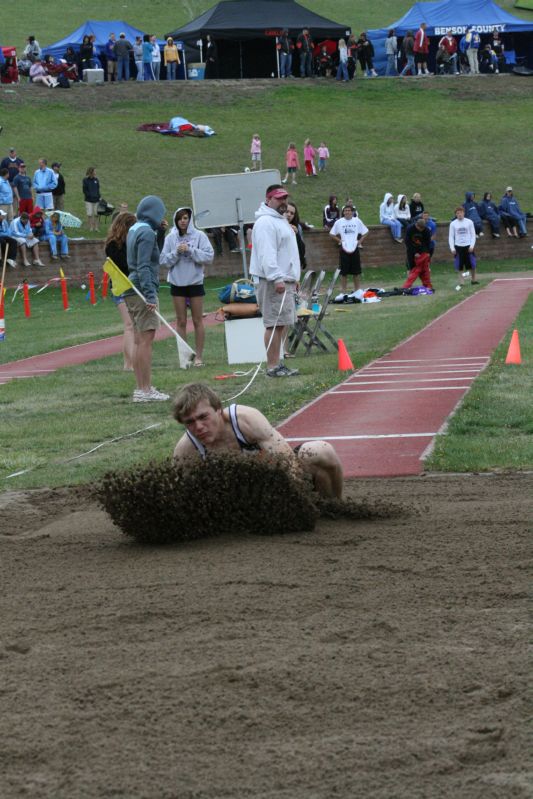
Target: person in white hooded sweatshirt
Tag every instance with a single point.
(185, 252)
(462, 240)
(388, 217)
(401, 211)
(275, 268)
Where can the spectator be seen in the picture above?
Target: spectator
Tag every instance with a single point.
(285, 54)
(416, 206)
(11, 163)
(229, 234)
(323, 156)
(255, 152)
(488, 210)
(22, 188)
(32, 51)
(186, 251)
(86, 54)
(418, 247)
(37, 222)
(498, 48)
(408, 50)
(91, 195)
(391, 51)
(115, 248)
(487, 60)
(387, 217)
(305, 46)
(472, 212)
(469, 45)
(401, 211)
(324, 63)
(352, 55)
(211, 58)
(59, 192)
(462, 240)
(432, 227)
(44, 182)
(156, 58)
(365, 54)
(57, 238)
(293, 218)
(138, 57)
(349, 232)
(111, 58)
(71, 59)
(342, 70)
(143, 265)
(309, 159)
(510, 206)
(122, 50)
(26, 239)
(421, 49)
(148, 72)
(6, 194)
(39, 74)
(331, 212)
(7, 242)
(292, 163)
(443, 62)
(171, 58)
(449, 45)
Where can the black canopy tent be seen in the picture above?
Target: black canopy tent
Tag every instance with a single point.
(245, 33)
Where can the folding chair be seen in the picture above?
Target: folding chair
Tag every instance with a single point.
(309, 328)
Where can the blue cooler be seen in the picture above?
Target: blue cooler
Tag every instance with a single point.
(195, 71)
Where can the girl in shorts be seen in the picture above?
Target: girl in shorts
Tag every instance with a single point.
(292, 163)
(115, 248)
(185, 252)
(349, 232)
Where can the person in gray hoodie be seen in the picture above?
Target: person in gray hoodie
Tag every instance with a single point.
(143, 265)
(185, 252)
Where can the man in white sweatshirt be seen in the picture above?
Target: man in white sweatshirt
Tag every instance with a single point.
(462, 240)
(275, 268)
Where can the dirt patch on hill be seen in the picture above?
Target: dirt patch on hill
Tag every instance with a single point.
(372, 659)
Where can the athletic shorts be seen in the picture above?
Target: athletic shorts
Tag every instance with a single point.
(270, 303)
(197, 290)
(291, 170)
(45, 200)
(256, 156)
(350, 262)
(117, 300)
(421, 58)
(91, 209)
(143, 319)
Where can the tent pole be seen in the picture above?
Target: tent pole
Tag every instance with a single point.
(277, 56)
(242, 240)
(240, 57)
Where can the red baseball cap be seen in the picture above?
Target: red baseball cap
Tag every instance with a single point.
(277, 194)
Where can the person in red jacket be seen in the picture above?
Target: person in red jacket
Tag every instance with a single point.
(421, 49)
(449, 44)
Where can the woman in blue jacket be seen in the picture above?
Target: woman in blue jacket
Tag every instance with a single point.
(489, 210)
(472, 212)
(148, 73)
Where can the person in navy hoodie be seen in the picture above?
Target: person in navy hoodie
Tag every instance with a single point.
(472, 212)
(509, 206)
(488, 210)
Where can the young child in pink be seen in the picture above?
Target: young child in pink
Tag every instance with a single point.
(309, 158)
(323, 155)
(292, 163)
(255, 150)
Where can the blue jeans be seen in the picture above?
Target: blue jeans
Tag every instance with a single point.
(285, 64)
(391, 65)
(409, 67)
(147, 71)
(306, 64)
(171, 70)
(342, 70)
(62, 241)
(123, 68)
(156, 68)
(395, 227)
(139, 65)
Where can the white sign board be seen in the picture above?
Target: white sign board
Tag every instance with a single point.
(223, 200)
(245, 340)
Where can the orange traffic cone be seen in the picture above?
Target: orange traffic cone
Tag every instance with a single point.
(513, 353)
(345, 362)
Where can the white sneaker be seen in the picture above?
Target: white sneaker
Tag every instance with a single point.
(12, 263)
(152, 395)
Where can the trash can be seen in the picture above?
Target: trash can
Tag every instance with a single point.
(195, 71)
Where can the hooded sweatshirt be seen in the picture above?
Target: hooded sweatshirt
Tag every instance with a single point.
(472, 210)
(142, 249)
(386, 211)
(402, 213)
(275, 254)
(186, 268)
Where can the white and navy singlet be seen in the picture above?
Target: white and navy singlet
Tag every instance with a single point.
(244, 445)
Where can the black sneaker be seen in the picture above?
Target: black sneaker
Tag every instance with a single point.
(281, 371)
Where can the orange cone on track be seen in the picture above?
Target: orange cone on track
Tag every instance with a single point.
(513, 353)
(345, 362)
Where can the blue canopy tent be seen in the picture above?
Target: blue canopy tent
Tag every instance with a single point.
(485, 16)
(101, 30)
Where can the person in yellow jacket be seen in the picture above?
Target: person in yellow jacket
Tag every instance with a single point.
(171, 58)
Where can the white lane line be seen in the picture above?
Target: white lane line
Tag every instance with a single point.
(506, 279)
(24, 374)
(483, 358)
(382, 390)
(416, 374)
(362, 438)
(456, 367)
(406, 380)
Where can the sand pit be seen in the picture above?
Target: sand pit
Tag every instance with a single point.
(380, 658)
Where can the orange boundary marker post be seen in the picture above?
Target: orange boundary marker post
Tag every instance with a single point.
(105, 285)
(344, 361)
(513, 353)
(92, 295)
(26, 294)
(64, 293)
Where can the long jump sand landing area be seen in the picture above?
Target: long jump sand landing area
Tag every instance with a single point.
(384, 417)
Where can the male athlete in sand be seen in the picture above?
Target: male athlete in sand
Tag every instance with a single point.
(240, 428)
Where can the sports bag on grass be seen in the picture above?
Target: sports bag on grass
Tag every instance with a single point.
(239, 291)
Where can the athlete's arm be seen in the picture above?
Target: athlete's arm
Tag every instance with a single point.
(185, 448)
(258, 430)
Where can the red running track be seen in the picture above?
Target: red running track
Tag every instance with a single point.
(384, 417)
(42, 365)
